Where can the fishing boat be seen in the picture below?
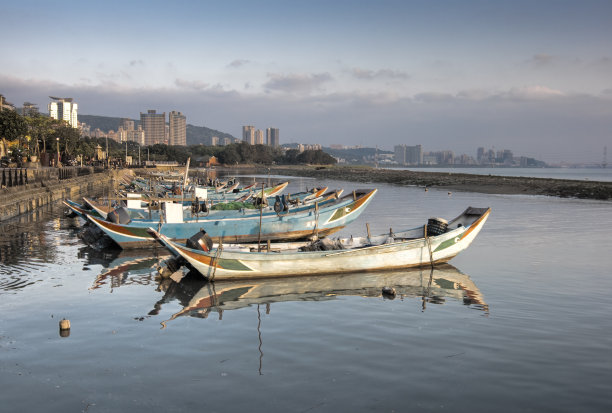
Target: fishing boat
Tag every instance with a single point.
(436, 242)
(311, 220)
(135, 210)
(199, 298)
(228, 191)
(140, 204)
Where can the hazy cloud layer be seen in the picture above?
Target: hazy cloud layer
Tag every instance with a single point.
(238, 63)
(296, 83)
(190, 84)
(378, 74)
(541, 60)
(534, 121)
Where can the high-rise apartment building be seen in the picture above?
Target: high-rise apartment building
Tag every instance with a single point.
(136, 135)
(248, 134)
(408, 155)
(154, 127)
(272, 137)
(127, 124)
(259, 137)
(64, 109)
(177, 129)
(127, 133)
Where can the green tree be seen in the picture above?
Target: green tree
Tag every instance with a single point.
(229, 155)
(291, 156)
(68, 138)
(317, 157)
(12, 125)
(39, 128)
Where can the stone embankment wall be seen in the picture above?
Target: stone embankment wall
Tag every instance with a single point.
(28, 189)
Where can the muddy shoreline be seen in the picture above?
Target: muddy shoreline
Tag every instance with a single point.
(563, 188)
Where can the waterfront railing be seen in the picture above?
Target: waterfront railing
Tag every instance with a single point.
(20, 177)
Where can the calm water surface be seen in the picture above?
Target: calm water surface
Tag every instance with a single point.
(519, 322)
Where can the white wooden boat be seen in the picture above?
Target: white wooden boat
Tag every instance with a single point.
(395, 250)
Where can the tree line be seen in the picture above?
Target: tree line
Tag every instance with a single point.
(242, 153)
(27, 136)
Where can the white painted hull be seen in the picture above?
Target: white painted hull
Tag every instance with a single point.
(230, 265)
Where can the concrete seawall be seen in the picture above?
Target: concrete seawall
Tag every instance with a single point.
(46, 186)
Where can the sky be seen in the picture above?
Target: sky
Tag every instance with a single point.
(531, 76)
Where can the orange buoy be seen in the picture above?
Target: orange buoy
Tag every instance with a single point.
(64, 324)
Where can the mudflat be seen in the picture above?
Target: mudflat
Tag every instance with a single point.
(489, 184)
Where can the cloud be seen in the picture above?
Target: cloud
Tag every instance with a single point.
(136, 63)
(526, 93)
(473, 94)
(434, 97)
(541, 60)
(532, 93)
(378, 74)
(561, 126)
(190, 84)
(295, 83)
(238, 63)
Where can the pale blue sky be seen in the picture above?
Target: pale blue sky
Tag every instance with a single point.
(531, 76)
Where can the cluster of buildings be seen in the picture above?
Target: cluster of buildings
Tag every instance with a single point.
(414, 155)
(254, 136)
(153, 129)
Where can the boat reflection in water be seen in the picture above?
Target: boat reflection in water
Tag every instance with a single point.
(199, 298)
(124, 267)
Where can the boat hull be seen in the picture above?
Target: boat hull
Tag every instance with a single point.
(305, 222)
(229, 265)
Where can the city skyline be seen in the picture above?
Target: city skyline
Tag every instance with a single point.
(531, 76)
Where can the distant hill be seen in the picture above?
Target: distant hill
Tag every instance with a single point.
(104, 123)
(195, 134)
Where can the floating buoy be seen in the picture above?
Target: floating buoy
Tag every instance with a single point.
(450, 193)
(388, 292)
(64, 326)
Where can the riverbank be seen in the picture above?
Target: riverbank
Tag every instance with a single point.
(451, 181)
(47, 185)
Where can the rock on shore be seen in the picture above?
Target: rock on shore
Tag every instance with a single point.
(488, 184)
